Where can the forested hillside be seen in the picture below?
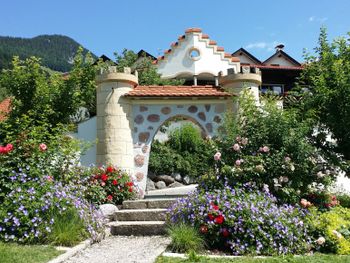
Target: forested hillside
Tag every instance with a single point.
(56, 51)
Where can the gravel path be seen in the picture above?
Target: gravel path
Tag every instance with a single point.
(123, 249)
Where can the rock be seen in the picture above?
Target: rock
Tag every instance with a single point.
(177, 177)
(186, 180)
(167, 179)
(160, 185)
(176, 184)
(108, 211)
(150, 185)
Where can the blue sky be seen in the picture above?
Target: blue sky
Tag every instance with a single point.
(106, 26)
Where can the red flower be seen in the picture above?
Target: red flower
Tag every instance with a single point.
(211, 217)
(110, 169)
(129, 184)
(6, 149)
(130, 190)
(114, 182)
(225, 232)
(109, 197)
(219, 220)
(104, 177)
(203, 229)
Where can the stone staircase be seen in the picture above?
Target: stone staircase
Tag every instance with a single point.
(141, 217)
(146, 216)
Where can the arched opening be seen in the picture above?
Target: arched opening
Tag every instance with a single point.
(179, 153)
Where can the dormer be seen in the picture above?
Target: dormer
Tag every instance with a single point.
(245, 57)
(281, 58)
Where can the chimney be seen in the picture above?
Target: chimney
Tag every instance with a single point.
(279, 47)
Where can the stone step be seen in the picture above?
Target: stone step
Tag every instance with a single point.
(157, 214)
(148, 203)
(138, 228)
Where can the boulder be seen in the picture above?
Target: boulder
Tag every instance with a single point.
(177, 177)
(108, 211)
(167, 179)
(186, 179)
(176, 184)
(160, 185)
(150, 185)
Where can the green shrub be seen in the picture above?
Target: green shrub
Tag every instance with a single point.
(186, 152)
(68, 228)
(344, 200)
(334, 227)
(185, 238)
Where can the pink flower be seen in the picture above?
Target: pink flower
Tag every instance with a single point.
(287, 159)
(304, 203)
(238, 162)
(42, 147)
(320, 241)
(9, 147)
(244, 141)
(217, 156)
(6, 149)
(49, 178)
(236, 147)
(265, 149)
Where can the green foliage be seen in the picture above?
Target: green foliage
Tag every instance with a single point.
(108, 185)
(334, 227)
(185, 239)
(147, 72)
(68, 229)
(268, 146)
(56, 51)
(186, 152)
(327, 75)
(344, 200)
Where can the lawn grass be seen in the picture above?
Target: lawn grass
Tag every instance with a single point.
(317, 258)
(14, 253)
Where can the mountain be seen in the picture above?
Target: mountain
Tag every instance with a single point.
(56, 51)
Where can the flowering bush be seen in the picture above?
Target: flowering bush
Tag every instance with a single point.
(270, 147)
(109, 185)
(27, 212)
(331, 230)
(243, 221)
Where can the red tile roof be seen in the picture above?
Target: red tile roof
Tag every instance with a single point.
(4, 108)
(178, 91)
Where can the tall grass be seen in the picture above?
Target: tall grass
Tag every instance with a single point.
(185, 239)
(68, 229)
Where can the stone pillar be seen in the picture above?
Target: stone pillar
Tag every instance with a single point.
(114, 118)
(195, 80)
(245, 80)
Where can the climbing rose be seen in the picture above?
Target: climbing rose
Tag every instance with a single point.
(236, 147)
(225, 232)
(109, 198)
(238, 162)
(114, 182)
(6, 149)
(130, 190)
(219, 219)
(129, 184)
(211, 217)
(217, 156)
(42, 147)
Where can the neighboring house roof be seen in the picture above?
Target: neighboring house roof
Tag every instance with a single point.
(178, 91)
(278, 67)
(142, 53)
(5, 108)
(281, 53)
(104, 58)
(242, 51)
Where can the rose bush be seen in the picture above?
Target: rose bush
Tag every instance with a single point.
(244, 221)
(109, 185)
(270, 147)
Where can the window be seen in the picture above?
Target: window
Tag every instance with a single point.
(194, 53)
(277, 89)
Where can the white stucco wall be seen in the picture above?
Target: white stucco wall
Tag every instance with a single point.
(178, 61)
(87, 133)
(282, 61)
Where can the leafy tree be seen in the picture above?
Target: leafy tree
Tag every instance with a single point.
(148, 74)
(327, 75)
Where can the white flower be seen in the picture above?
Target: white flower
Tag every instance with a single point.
(337, 234)
(292, 168)
(320, 241)
(320, 175)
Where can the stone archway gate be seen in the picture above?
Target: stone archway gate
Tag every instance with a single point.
(128, 115)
